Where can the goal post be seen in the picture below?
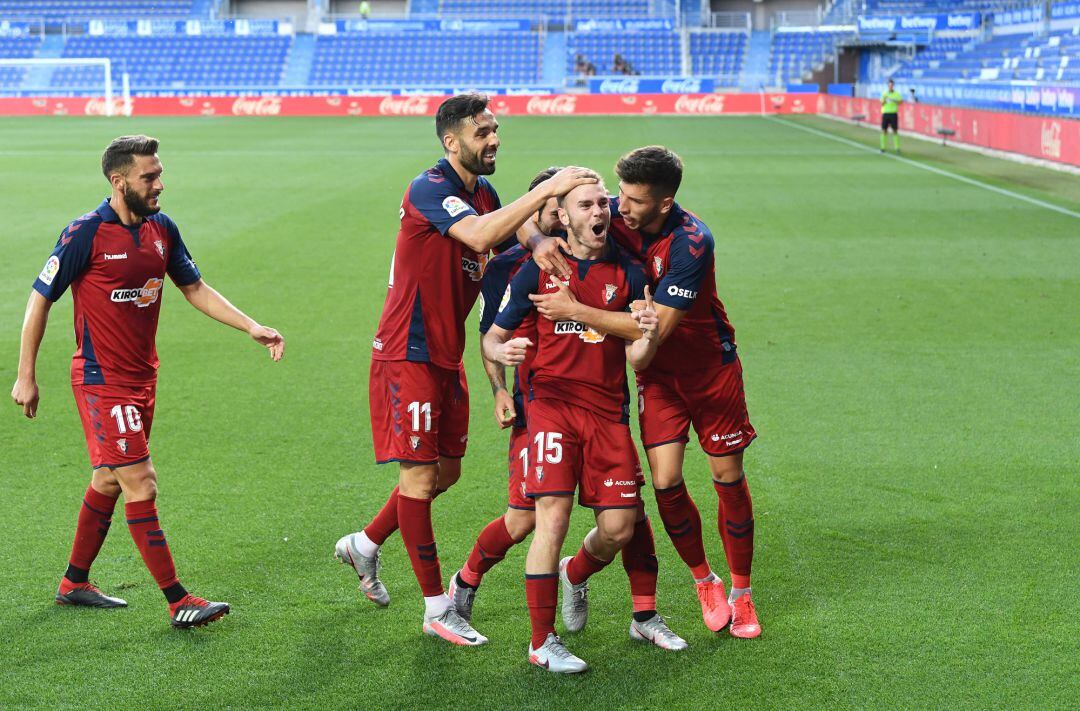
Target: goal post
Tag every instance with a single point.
(104, 62)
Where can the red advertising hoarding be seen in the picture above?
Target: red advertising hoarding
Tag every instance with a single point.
(553, 104)
(1046, 137)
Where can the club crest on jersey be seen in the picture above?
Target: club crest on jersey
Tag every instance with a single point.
(414, 441)
(585, 333)
(160, 247)
(539, 473)
(142, 297)
(122, 444)
(50, 270)
(454, 205)
(658, 266)
(609, 292)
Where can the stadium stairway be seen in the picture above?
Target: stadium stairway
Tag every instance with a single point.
(51, 47)
(554, 71)
(756, 69)
(298, 63)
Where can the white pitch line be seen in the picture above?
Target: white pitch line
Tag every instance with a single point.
(932, 169)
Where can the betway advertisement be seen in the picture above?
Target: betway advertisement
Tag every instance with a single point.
(535, 104)
(954, 21)
(1047, 137)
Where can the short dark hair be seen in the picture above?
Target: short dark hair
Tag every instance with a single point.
(456, 110)
(545, 174)
(120, 154)
(659, 168)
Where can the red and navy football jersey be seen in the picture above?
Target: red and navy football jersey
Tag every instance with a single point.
(679, 261)
(573, 362)
(494, 290)
(434, 279)
(116, 274)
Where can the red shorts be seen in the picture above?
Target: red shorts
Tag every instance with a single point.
(572, 448)
(419, 412)
(519, 465)
(116, 420)
(711, 399)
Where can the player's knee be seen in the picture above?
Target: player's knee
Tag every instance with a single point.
(617, 536)
(519, 524)
(105, 481)
(727, 469)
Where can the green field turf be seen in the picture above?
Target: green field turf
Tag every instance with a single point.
(912, 355)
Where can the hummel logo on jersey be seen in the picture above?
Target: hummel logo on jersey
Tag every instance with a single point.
(586, 334)
(122, 255)
(609, 292)
(658, 265)
(554, 283)
(143, 297)
(678, 291)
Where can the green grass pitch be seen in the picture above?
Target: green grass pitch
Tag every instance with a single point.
(912, 354)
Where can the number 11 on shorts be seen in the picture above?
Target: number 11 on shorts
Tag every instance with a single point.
(416, 409)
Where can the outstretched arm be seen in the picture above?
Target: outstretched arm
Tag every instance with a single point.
(25, 390)
(482, 232)
(207, 299)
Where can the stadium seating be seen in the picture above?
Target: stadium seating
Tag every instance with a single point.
(552, 9)
(648, 52)
(717, 54)
(94, 9)
(1050, 58)
(793, 53)
(433, 58)
(178, 62)
(16, 48)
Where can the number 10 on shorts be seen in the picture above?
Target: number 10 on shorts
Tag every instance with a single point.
(127, 418)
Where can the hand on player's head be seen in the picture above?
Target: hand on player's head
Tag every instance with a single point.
(569, 178)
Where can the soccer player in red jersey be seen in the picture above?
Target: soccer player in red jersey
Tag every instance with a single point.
(696, 377)
(115, 260)
(450, 219)
(579, 407)
(503, 533)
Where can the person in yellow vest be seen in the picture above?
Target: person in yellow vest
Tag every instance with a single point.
(890, 106)
(365, 10)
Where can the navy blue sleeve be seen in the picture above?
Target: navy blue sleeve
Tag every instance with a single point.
(68, 260)
(439, 203)
(689, 260)
(493, 287)
(636, 280)
(517, 305)
(181, 267)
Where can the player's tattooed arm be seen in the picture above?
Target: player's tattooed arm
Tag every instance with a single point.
(207, 299)
(562, 306)
(25, 391)
(504, 401)
(639, 353)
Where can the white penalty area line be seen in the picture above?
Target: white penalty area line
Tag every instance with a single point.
(932, 169)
